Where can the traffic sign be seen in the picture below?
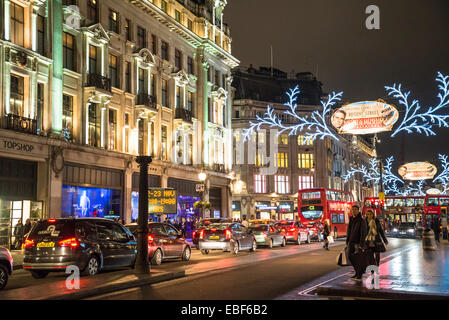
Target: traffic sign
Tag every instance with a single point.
(382, 196)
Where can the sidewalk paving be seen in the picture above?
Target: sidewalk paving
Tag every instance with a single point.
(90, 286)
(412, 273)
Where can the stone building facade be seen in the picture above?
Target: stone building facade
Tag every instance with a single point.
(87, 85)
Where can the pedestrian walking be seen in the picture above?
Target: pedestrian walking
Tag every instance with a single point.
(183, 227)
(375, 239)
(436, 229)
(355, 240)
(326, 233)
(18, 235)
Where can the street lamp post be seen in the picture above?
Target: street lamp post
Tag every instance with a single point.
(142, 265)
(202, 176)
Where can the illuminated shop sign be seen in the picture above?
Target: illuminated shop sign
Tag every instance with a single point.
(417, 171)
(162, 200)
(365, 117)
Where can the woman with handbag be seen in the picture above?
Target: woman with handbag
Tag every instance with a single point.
(376, 236)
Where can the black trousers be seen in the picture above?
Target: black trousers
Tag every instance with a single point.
(355, 259)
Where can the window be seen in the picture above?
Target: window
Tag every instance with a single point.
(190, 149)
(68, 49)
(17, 24)
(217, 77)
(128, 31)
(40, 106)
(303, 141)
(164, 51)
(190, 66)
(190, 24)
(178, 59)
(114, 21)
(128, 76)
(283, 139)
(41, 35)
(154, 43)
(126, 133)
(113, 71)
(93, 125)
(140, 135)
(177, 16)
(260, 184)
(305, 182)
(142, 87)
(259, 159)
(16, 99)
(164, 93)
(92, 11)
(164, 6)
(190, 101)
(305, 160)
(178, 97)
(67, 114)
(112, 129)
(281, 160)
(164, 142)
(281, 184)
(93, 53)
(141, 38)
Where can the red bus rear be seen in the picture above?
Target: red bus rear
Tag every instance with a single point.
(317, 205)
(435, 205)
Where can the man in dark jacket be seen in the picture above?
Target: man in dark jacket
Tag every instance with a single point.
(436, 229)
(355, 240)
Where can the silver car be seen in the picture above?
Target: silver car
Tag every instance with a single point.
(269, 235)
(6, 266)
(226, 237)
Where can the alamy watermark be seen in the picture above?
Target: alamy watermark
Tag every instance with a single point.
(372, 22)
(72, 282)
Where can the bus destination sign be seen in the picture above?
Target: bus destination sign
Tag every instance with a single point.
(162, 201)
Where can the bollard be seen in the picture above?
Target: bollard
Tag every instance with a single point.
(428, 240)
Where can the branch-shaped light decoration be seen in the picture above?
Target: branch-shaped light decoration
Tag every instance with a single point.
(415, 120)
(415, 190)
(314, 126)
(443, 177)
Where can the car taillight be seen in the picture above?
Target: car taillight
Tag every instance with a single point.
(150, 238)
(71, 242)
(51, 220)
(28, 243)
(292, 229)
(193, 234)
(213, 230)
(201, 234)
(228, 234)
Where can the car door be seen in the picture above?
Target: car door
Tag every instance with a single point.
(161, 238)
(120, 241)
(106, 242)
(236, 233)
(247, 236)
(277, 235)
(128, 244)
(175, 242)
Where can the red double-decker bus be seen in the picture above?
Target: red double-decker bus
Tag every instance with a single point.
(317, 205)
(397, 209)
(435, 206)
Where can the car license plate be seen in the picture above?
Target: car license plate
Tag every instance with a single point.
(45, 244)
(214, 237)
(402, 232)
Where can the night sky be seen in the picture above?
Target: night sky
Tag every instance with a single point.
(329, 39)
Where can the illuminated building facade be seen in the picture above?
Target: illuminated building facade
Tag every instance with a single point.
(89, 84)
(300, 164)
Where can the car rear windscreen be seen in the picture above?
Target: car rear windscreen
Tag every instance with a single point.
(260, 228)
(218, 226)
(59, 228)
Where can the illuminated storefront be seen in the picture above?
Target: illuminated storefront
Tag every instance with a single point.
(236, 210)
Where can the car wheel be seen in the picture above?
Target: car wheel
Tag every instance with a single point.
(156, 260)
(298, 239)
(254, 246)
(205, 251)
(271, 244)
(284, 242)
(186, 254)
(235, 248)
(309, 240)
(39, 274)
(92, 266)
(3, 277)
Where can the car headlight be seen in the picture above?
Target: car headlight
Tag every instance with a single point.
(411, 230)
(395, 230)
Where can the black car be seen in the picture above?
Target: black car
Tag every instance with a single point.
(405, 230)
(92, 244)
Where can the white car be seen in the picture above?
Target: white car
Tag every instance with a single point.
(6, 266)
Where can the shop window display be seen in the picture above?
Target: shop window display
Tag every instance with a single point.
(90, 202)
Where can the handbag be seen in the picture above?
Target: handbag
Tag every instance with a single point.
(330, 239)
(379, 247)
(342, 258)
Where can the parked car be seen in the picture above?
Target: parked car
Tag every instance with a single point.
(92, 244)
(405, 230)
(269, 235)
(294, 231)
(164, 242)
(203, 224)
(227, 236)
(315, 231)
(6, 266)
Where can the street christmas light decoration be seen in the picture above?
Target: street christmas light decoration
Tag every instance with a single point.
(415, 190)
(369, 174)
(415, 120)
(315, 125)
(443, 177)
